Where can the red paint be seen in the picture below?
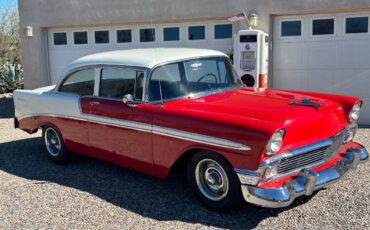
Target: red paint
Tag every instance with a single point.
(248, 116)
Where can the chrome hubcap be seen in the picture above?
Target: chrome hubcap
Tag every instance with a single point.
(52, 142)
(211, 179)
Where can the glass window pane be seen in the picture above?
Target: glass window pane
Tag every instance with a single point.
(147, 35)
(223, 31)
(124, 36)
(81, 82)
(197, 32)
(357, 25)
(206, 74)
(80, 37)
(60, 38)
(291, 28)
(170, 83)
(323, 26)
(101, 37)
(171, 34)
(193, 76)
(116, 83)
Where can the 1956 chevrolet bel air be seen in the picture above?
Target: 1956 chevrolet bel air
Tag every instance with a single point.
(152, 109)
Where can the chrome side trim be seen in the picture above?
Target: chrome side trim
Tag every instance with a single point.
(50, 115)
(199, 138)
(248, 176)
(144, 127)
(119, 123)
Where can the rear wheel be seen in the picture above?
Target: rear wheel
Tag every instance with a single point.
(214, 181)
(54, 145)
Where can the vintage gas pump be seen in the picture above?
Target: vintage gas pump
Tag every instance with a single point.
(251, 57)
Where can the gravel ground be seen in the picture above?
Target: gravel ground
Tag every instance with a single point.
(90, 194)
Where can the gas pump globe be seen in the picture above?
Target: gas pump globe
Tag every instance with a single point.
(251, 57)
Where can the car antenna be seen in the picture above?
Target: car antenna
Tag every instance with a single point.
(159, 80)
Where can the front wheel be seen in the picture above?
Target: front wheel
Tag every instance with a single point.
(54, 145)
(214, 181)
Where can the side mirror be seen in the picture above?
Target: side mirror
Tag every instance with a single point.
(128, 99)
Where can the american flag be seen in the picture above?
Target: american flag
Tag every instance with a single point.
(237, 17)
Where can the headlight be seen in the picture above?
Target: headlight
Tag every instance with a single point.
(275, 142)
(355, 112)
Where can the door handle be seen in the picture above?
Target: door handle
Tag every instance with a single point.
(94, 103)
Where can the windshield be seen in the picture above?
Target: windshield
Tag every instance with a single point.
(191, 77)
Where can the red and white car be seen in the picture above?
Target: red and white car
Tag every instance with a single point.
(153, 109)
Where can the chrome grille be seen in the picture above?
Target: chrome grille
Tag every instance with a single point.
(302, 159)
(312, 155)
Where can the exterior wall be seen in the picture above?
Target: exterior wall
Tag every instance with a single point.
(43, 14)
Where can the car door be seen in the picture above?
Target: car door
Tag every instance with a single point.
(66, 108)
(117, 131)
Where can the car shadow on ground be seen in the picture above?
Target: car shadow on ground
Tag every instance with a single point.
(6, 108)
(150, 197)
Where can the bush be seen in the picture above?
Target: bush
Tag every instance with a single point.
(11, 77)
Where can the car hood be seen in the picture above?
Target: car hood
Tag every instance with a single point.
(302, 123)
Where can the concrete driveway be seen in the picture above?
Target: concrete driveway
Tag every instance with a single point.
(91, 194)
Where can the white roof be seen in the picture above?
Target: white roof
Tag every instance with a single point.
(147, 58)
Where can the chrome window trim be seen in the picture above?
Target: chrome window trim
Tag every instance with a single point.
(144, 127)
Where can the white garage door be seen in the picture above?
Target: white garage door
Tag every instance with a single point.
(325, 53)
(68, 44)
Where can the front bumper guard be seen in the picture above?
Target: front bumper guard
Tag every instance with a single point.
(306, 183)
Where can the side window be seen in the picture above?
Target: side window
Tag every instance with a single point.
(196, 32)
(322, 26)
(223, 31)
(171, 34)
(115, 83)
(167, 79)
(291, 28)
(80, 38)
(147, 35)
(356, 25)
(60, 38)
(102, 37)
(81, 83)
(124, 36)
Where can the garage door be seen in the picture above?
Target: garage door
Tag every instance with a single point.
(68, 44)
(325, 53)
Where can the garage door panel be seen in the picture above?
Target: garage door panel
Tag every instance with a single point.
(292, 79)
(322, 81)
(322, 54)
(338, 63)
(60, 55)
(365, 111)
(61, 58)
(295, 59)
(355, 54)
(354, 82)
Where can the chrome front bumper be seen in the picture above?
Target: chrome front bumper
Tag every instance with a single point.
(305, 184)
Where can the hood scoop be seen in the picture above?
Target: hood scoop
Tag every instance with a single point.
(306, 102)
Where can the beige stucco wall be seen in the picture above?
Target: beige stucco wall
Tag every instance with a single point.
(41, 14)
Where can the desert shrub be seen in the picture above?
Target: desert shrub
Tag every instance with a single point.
(11, 77)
